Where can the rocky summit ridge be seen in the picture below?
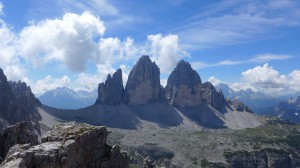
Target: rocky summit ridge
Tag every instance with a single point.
(17, 103)
(69, 145)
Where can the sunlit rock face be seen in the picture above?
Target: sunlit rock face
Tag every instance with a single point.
(184, 86)
(143, 85)
(67, 146)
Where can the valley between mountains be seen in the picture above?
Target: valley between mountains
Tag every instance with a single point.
(188, 123)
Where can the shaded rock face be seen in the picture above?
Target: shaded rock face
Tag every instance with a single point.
(69, 145)
(238, 105)
(17, 103)
(212, 97)
(143, 85)
(184, 86)
(21, 133)
(264, 158)
(111, 92)
(26, 103)
(6, 101)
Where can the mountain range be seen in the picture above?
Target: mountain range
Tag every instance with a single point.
(180, 125)
(285, 107)
(66, 98)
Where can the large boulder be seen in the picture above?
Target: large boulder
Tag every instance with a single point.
(184, 86)
(143, 85)
(69, 145)
(212, 97)
(111, 92)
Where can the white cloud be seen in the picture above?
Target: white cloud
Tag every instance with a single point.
(70, 39)
(50, 83)
(269, 81)
(101, 7)
(166, 51)
(213, 80)
(255, 59)
(125, 73)
(90, 82)
(269, 57)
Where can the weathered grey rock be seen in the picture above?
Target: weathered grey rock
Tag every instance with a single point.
(26, 104)
(269, 158)
(143, 85)
(184, 86)
(21, 133)
(6, 101)
(238, 105)
(111, 92)
(69, 145)
(212, 97)
(17, 103)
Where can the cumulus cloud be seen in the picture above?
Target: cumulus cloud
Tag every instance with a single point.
(70, 39)
(50, 83)
(269, 81)
(166, 51)
(86, 81)
(213, 80)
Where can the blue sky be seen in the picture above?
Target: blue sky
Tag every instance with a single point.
(245, 43)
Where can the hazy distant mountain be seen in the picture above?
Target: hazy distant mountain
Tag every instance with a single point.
(257, 101)
(66, 98)
(289, 110)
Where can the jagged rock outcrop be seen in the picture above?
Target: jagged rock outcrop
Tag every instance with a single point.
(270, 158)
(6, 101)
(184, 86)
(69, 145)
(238, 105)
(17, 103)
(212, 97)
(143, 85)
(21, 133)
(111, 92)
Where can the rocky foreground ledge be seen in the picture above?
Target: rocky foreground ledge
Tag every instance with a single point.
(69, 145)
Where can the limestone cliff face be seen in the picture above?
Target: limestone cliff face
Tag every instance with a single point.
(143, 85)
(111, 92)
(17, 103)
(212, 97)
(184, 86)
(69, 145)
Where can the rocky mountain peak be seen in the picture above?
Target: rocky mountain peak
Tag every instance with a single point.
(212, 97)
(111, 92)
(17, 103)
(143, 85)
(184, 86)
(239, 106)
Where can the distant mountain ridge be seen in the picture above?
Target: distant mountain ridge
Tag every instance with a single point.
(257, 101)
(66, 98)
